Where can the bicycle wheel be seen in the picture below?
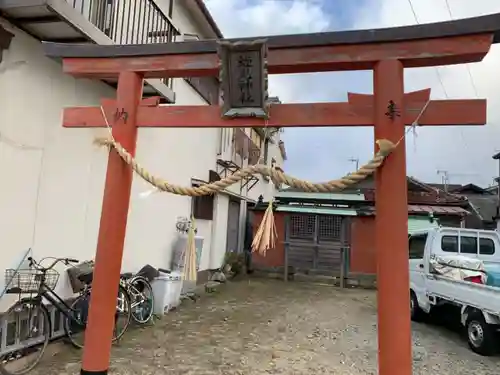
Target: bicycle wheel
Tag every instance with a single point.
(75, 328)
(76, 322)
(27, 341)
(141, 298)
(123, 315)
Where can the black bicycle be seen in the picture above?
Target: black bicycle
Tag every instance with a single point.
(32, 322)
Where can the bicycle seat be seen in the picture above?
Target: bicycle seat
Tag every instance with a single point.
(86, 278)
(126, 275)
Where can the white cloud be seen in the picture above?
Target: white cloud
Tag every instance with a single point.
(464, 152)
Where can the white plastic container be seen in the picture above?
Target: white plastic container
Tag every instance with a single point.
(174, 299)
(166, 291)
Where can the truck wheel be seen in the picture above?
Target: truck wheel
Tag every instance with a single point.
(417, 314)
(480, 335)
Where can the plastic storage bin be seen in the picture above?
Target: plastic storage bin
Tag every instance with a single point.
(166, 291)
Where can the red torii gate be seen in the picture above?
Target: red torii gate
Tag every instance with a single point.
(386, 51)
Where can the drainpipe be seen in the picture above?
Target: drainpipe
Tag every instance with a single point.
(497, 180)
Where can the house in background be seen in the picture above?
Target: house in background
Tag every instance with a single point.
(57, 176)
(315, 229)
(482, 204)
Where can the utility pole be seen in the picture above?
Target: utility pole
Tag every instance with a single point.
(355, 160)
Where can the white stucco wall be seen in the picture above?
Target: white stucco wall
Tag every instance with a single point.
(51, 196)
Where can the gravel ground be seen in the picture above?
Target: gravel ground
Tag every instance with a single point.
(269, 327)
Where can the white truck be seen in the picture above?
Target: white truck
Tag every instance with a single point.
(477, 302)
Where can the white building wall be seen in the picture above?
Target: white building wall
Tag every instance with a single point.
(51, 196)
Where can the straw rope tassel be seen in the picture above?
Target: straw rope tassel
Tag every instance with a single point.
(190, 255)
(265, 237)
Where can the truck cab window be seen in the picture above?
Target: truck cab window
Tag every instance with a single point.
(468, 245)
(416, 246)
(449, 244)
(486, 246)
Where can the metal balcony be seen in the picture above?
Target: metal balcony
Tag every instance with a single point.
(96, 21)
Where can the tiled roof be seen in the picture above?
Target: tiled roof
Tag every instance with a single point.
(419, 197)
(440, 210)
(485, 206)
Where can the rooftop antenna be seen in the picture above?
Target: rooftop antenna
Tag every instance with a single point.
(445, 180)
(355, 160)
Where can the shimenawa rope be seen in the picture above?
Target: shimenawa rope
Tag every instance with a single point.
(385, 148)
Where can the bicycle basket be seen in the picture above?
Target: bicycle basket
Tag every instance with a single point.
(29, 280)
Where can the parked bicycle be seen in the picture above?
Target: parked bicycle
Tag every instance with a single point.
(31, 318)
(140, 293)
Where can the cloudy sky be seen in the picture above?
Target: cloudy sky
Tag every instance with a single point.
(324, 153)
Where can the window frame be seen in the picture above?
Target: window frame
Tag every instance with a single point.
(478, 240)
(202, 207)
(424, 236)
(467, 239)
(481, 239)
(456, 244)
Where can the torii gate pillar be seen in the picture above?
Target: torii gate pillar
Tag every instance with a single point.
(391, 209)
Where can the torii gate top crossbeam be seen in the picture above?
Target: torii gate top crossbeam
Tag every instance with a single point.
(443, 43)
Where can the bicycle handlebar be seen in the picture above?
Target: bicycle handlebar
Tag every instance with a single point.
(37, 265)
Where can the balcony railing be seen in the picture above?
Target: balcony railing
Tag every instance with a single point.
(129, 21)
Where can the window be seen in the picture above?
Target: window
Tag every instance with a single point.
(417, 246)
(203, 207)
(329, 227)
(302, 226)
(449, 244)
(468, 245)
(486, 246)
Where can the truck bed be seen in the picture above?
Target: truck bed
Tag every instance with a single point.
(484, 297)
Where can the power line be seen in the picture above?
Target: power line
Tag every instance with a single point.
(440, 78)
(438, 73)
(467, 66)
(413, 10)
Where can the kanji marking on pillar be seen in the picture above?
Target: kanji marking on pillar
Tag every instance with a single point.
(392, 110)
(121, 114)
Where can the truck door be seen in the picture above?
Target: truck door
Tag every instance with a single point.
(417, 267)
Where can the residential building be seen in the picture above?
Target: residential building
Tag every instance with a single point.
(318, 227)
(54, 178)
(481, 203)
